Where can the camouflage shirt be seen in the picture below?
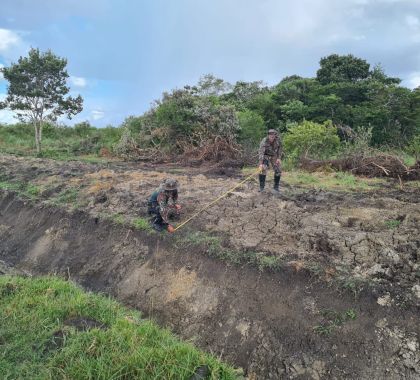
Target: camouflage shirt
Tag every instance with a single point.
(269, 149)
(166, 201)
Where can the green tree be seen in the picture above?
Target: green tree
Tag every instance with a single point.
(37, 90)
(252, 127)
(342, 68)
(209, 85)
(83, 129)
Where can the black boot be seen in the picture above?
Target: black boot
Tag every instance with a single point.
(262, 182)
(276, 182)
(157, 223)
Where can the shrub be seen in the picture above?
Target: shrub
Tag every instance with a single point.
(311, 139)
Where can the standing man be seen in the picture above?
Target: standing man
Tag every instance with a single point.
(163, 204)
(270, 152)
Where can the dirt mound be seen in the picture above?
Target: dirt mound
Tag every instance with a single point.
(382, 165)
(368, 238)
(286, 324)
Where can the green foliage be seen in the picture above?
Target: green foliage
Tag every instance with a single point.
(347, 68)
(38, 340)
(187, 120)
(414, 147)
(294, 110)
(83, 129)
(313, 139)
(252, 127)
(182, 120)
(58, 142)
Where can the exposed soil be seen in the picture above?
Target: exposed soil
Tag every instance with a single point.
(293, 323)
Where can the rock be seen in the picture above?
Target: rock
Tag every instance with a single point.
(384, 300)
(412, 345)
(416, 290)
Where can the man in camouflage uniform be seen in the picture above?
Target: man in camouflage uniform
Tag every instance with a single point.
(163, 204)
(270, 152)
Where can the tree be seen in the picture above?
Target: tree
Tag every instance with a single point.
(342, 68)
(37, 90)
(252, 127)
(209, 85)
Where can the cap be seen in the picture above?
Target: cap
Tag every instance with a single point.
(170, 184)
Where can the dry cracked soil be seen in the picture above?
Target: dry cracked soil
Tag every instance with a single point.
(308, 284)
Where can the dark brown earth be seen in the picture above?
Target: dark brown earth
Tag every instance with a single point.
(295, 322)
(261, 322)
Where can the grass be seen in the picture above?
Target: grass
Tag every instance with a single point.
(29, 190)
(117, 218)
(392, 223)
(67, 196)
(213, 247)
(60, 143)
(37, 343)
(333, 319)
(331, 181)
(142, 224)
(340, 181)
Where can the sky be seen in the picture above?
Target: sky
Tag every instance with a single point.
(122, 54)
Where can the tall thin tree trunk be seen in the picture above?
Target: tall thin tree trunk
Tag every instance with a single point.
(37, 137)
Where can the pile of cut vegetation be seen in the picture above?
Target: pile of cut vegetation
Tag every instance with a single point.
(379, 165)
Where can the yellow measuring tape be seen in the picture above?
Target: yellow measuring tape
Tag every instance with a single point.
(216, 200)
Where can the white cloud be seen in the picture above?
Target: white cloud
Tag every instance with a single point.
(413, 80)
(78, 81)
(97, 114)
(8, 39)
(1, 74)
(412, 21)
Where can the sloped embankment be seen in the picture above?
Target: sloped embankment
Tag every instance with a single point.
(274, 325)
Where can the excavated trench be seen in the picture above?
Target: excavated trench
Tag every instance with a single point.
(275, 325)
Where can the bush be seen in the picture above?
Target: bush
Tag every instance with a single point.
(311, 139)
(252, 127)
(83, 129)
(414, 147)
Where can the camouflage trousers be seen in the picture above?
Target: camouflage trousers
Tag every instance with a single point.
(266, 163)
(169, 213)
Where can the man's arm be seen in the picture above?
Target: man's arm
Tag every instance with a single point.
(163, 207)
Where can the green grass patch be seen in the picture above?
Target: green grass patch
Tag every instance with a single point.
(117, 218)
(38, 342)
(340, 181)
(333, 319)
(10, 186)
(28, 190)
(142, 224)
(67, 196)
(213, 246)
(392, 223)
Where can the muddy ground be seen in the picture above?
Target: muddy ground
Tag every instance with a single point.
(305, 318)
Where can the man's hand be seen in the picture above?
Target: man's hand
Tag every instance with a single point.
(261, 166)
(278, 162)
(178, 207)
(171, 228)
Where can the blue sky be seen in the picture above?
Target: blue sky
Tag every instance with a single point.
(123, 54)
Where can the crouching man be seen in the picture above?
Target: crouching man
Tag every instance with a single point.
(163, 205)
